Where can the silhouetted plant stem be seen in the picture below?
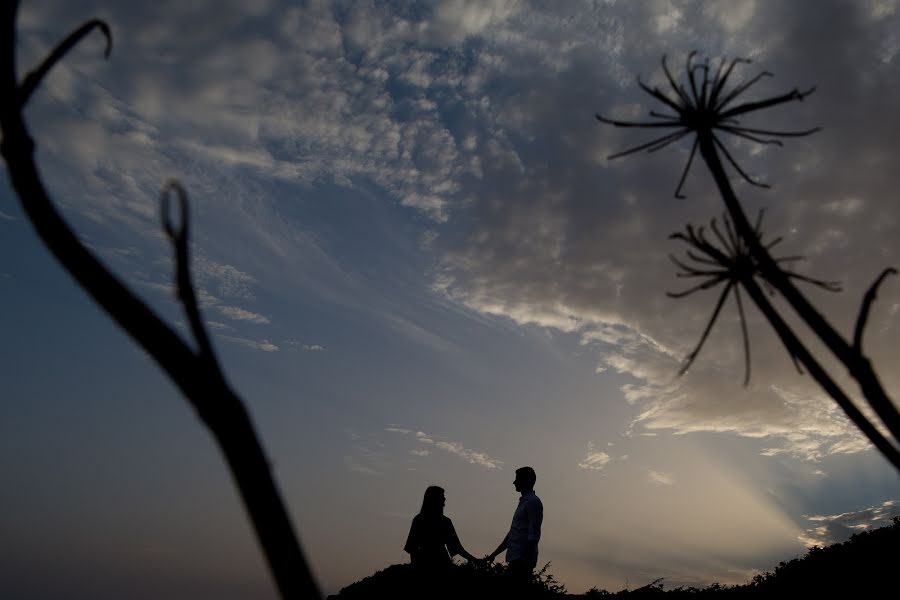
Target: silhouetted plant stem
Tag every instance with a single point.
(705, 108)
(731, 264)
(195, 373)
(858, 365)
(796, 348)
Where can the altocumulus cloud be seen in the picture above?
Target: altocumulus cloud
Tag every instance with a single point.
(579, 244)
(479, 115)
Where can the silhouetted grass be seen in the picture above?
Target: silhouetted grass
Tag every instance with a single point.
(464, 581)
(861, 567)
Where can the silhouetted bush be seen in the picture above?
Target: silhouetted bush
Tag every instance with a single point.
(861, 567)
(465, 581)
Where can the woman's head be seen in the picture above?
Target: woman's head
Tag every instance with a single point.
(433, 502)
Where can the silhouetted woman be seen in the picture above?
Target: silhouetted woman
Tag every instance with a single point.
(432, 539)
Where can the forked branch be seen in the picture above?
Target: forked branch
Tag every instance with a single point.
(197, 374)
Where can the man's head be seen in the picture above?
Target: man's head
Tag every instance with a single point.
(525, 479)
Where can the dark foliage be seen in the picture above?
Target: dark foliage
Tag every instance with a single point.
(468, 581)
(861, 567)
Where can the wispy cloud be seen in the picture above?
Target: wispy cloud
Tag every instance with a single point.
(471, 456)
(264, 345)
(831, 529)
(355, 465)
(231, 286)
(239, 314)
(303, 347)
(227, 280)
(395, 429)
(594, 460)
(660, 477)
(6, 217)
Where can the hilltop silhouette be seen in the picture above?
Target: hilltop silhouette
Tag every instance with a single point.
(860, 567)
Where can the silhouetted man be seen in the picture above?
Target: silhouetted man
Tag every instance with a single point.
(521, 543)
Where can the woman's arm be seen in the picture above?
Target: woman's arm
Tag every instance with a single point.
(412, 540)
(454, 545)
(499, 549)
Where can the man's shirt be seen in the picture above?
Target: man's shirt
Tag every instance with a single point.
(526, 526)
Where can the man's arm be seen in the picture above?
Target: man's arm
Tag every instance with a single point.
(500, 548)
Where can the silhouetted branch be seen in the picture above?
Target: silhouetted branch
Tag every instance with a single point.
(709, 325)
(740, 89)
(831, 286)
(652, 146)
(743, 319)
(868, 299)
(651, 124)
(735, 265)
(33, 79)
(196, 374)
(737, 167)
(800, 355)
(656, 93)
(753, 106)
(179, 237)
(741, 133)
(801, 133)
(687, 167)
(705, 108)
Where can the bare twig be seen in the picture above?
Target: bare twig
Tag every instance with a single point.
(33, 79)
(868, 299)
(196, 374)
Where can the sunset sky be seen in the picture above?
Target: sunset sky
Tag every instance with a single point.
(419, 267)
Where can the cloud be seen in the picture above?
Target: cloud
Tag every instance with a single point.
(424, 437)
(228, 280)
(299, 346)
(659, 477)
(471, 456)
(594, 460)
(240, 314)
(6, 217)
(264, 345)
(393, 429)
(479, 115)
(576, 243)
(354, 465)
(832, 529)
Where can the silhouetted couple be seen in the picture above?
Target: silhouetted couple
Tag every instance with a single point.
(433, 541)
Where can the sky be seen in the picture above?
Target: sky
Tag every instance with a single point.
(419, 268)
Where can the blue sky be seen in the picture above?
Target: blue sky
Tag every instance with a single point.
(419, 268)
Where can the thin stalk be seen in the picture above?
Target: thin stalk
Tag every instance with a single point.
(858, 365)
(193, 373)
(798, 350)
